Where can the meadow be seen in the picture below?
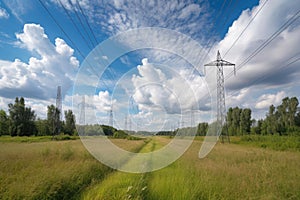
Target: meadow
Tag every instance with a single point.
(63, 169)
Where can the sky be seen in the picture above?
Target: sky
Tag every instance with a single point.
(144, 59)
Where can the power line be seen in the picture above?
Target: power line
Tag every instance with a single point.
(268, 41)
(80, 21)
(251, 20)
(294, 59)
(60, 27)
(87, 22)
(69, 38)
(210, 43)
(75, 25)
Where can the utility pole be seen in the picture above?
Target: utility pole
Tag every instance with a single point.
(221, 108)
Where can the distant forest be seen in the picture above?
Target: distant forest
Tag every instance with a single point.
(22, 121)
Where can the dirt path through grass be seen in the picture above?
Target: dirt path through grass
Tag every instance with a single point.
(230, 171)
(121, 185)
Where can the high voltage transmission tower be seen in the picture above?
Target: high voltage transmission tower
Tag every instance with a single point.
(192, 117)
(59, 109)
(221, 108)
(126, 121)
(111, 117)
(82, 111)
(81, 116)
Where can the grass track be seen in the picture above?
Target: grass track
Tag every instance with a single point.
(230, 171)
(121, 185)
(65, 170)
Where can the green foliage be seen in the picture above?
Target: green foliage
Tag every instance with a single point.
(202, 129)
(97, 129)
(53, 118)
(42, 127)
(30, 139)
(238, 121)
(283, 121)
(275, 142)
(70, 125)
(120, 134)
(22, 118)
(4, 123)
(108, 130)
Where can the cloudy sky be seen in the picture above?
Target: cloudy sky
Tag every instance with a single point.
(147, 57)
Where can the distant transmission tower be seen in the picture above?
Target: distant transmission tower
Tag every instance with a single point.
(82, 116)
(192, 117)
(82, 111)
(111, 117)
(221, 108)
(130, 123)
(125, 125)
(59, 108)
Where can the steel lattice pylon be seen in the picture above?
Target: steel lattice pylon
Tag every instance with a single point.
(59, 108)
(221, 107)
(111, 118)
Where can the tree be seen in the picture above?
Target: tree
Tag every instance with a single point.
(272, 122)
(42, 127)
(257, 126)
(22, 118)
(3, 123)
(297, 119)
(292, 109)
(202, 129)
(245, 121)
(229, 122)
(53, 119)
(69, 127)
(283, 116)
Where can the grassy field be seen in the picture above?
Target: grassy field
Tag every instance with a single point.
(244, 169)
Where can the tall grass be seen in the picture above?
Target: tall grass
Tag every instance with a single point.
(49, 170)
(230, 171)
(120, 185)
(275, 142)
(65, 170)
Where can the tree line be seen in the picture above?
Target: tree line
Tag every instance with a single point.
(22, 121)
(281, 120)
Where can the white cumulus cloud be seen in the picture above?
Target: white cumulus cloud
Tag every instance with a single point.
(39, 77)
(268, 99)
(166, 89)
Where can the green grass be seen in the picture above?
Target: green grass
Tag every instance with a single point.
(49, 170)
(230, 171)
(7, 138)
(121, 185)
(275, 142)
(65, 170)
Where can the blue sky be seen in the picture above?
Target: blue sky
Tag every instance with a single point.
(44, 44)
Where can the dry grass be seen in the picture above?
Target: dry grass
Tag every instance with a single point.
(229, 172)
(49, 170)
(65, 170)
